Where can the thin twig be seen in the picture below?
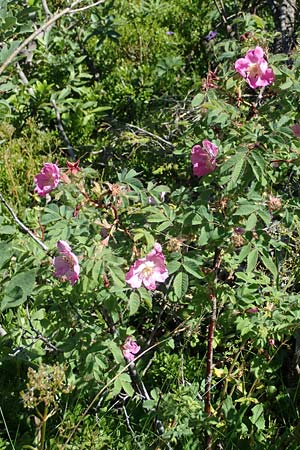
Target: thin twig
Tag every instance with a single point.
(62, 131)
(7, 430)
(24, 79)
(21, 224)
(44, 27)
(39, 336)
(84, 8)
(46, 9)
(150, 134)
(221, 12)
(130, 427)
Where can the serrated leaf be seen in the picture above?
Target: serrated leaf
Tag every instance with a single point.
(173, 266)
(251, 222)
(181, 284)
(245, 210)
(269, 264)
(126, 384)
(157, 218)
(163, 226)
(146, 296)
(116, 351)
(134, 303)
(192, 267)
(265, 216)
(244, 252)
(236, 173)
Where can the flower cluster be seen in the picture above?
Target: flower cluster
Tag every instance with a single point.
(45, 386)
(254, 68)
(204, 158)
(130, 348)
(148, 270)
(66, 264)
(47, 179)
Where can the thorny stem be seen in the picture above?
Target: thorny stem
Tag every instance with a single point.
(21, 224)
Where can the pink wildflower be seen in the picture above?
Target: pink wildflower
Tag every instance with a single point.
(148, 270)
(66, 264)
(130, 348)
(296, 130)
(204, 158)
(272, 342)
(254, 68)
(47, 179)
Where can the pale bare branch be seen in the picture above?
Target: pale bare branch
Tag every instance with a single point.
(47, 24)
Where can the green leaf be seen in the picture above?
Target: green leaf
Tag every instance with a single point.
(134, 303)
(269, 264)
(258, 417)
(116, 389)
(126, 384)
(146, 296)
(252, 260)
(116, 351)
(236, 173)
(157, 218)
(173, 266)
(181, 284)
(265, 216)
(18, 289)
(163, 226)
(192, 267)
(286, 85)
(245, 210)
(5, 253)
(117, 275)
(7, 229)
(251, 222)
(197, 100)
(244, 252)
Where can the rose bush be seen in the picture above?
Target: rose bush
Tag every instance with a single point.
(214, 280)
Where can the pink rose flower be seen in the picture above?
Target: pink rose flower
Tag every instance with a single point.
(130, 348)
(148, 270)
(66, 264)
(204, 158)
(47, 179)
(254, 68)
